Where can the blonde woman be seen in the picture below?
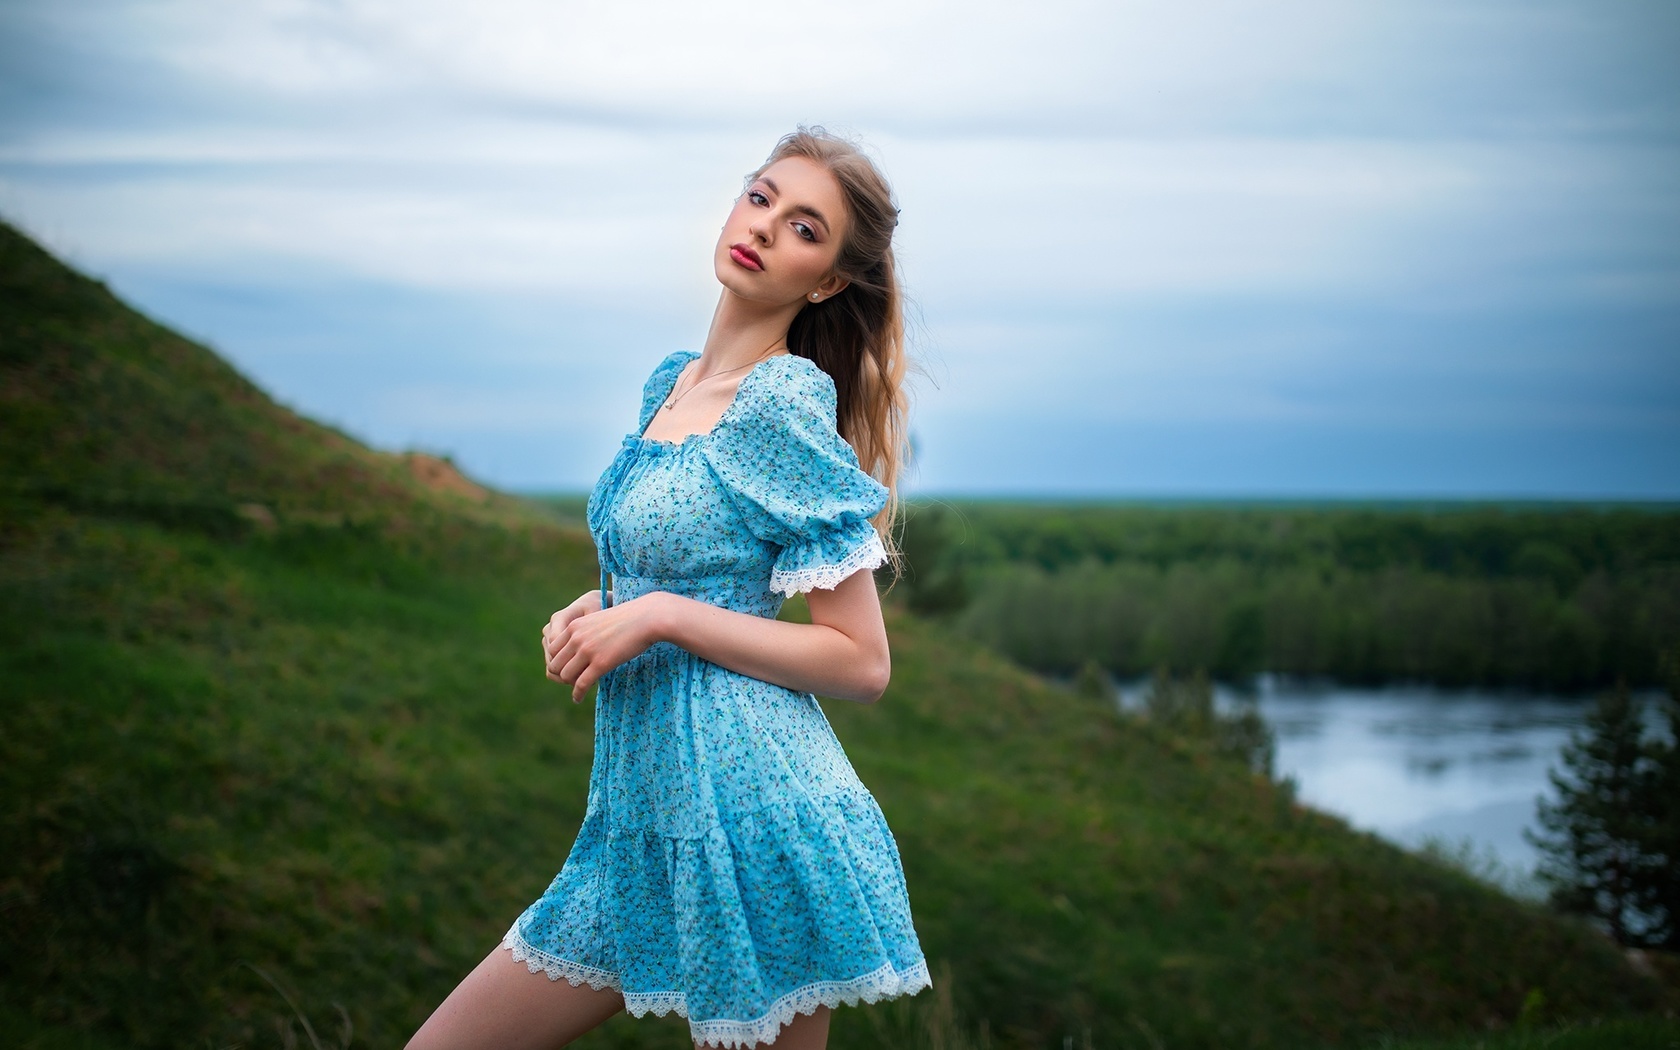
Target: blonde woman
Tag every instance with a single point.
(731, 867)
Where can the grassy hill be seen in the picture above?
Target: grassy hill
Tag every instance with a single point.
(273, 720)
(108, 412)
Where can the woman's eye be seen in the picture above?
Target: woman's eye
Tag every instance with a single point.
(805, 231)
(757, 197)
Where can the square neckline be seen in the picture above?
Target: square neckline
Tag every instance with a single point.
(722, 419)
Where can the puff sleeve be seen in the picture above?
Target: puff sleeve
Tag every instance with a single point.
(659, 384)
(795, 480)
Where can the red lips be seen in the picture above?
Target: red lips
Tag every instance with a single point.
(744, 255)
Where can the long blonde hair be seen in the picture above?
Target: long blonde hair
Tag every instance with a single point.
(857, 337)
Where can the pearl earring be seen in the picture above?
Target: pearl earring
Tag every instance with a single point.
(815, 297)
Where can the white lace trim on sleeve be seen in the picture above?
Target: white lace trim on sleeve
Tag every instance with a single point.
(871, 555)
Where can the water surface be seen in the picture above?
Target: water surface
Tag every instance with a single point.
(1410, 763)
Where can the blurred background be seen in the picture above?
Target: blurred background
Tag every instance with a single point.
(1300, 380)
(1226, 249)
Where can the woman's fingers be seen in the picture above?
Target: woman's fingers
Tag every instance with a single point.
(579, 674)
(553, 642)
(554, 630)
(556, 643)
(561, 665)
(588, 645)
(562, 646)
(572, 661)
(563, 652)
(581, 660)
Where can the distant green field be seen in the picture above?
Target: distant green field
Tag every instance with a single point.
(273, 713)
(1554, 597)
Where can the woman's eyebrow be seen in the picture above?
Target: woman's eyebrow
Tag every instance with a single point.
(806, 209)
(803, 209)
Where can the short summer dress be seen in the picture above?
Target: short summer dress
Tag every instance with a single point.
(730, 866)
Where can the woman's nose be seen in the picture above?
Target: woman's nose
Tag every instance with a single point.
(760, 229)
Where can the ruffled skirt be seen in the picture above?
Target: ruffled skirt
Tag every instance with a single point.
(738, 909)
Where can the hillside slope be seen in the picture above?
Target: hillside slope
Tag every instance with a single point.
(319, 751)
(104, 410)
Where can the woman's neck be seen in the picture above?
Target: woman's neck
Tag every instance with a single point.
(742, 332)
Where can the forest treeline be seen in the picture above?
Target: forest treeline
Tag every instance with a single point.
(1561, 598)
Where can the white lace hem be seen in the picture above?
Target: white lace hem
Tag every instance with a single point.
(885, 983)
(872, 555)
(538, 961)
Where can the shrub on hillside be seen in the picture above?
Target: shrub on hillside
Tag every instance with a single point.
(1184, 706)
(933, 581)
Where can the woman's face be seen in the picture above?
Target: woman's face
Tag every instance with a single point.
(783, 235)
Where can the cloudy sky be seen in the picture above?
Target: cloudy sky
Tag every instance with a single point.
(1277, 249)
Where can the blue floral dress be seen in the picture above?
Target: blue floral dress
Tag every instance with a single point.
(730, 866)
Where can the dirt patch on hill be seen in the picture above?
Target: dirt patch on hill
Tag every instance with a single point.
(440, 475)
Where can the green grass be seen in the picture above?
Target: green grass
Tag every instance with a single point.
(322, 748)
(242, 752)
(1646, 1034)
(337, 759)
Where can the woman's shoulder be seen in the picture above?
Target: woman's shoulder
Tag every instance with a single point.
(777, 451)
(787, 386)
(792, 368)
(665, 371)
(659, 383)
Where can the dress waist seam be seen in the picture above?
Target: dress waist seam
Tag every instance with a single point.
(731, 574)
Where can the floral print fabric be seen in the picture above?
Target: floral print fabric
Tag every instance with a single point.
(730, 866)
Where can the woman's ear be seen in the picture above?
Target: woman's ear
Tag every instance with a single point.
(831, 287)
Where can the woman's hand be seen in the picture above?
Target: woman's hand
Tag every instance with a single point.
(554, 631)
(583, 641)
(587, 602)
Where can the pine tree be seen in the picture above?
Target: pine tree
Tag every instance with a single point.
(1599, 829)
(1657, 881)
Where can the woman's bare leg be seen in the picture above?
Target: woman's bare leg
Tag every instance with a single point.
(504, 1006)
(804, 1032)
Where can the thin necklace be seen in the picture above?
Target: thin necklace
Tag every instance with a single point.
(675, 397)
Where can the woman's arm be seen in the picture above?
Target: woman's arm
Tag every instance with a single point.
(842, 652)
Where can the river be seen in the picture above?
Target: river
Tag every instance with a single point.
(1411, 762)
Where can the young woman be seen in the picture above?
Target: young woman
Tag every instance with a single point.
(730, 866)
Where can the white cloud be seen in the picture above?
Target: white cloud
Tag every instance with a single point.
(682, 60)
(1031, 219)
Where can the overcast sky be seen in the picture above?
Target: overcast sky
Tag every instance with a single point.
(1199, 249)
